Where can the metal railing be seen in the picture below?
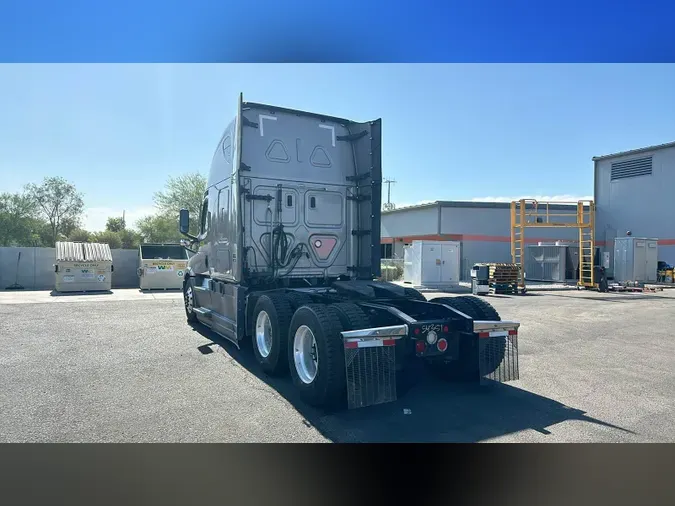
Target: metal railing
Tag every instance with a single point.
(527, 213)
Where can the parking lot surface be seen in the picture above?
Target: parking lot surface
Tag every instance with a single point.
(126, 367)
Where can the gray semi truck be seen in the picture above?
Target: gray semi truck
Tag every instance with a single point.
(289, 258)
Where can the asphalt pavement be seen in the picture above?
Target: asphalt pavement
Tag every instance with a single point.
(126, 367)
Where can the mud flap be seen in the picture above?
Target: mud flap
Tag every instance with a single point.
(498, 357)
(370, 367)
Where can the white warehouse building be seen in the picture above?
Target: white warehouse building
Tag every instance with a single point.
(634, 192)
(482, 228)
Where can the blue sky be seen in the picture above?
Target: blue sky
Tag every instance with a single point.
(462, 132)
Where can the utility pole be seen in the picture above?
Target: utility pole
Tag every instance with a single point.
(389, 205)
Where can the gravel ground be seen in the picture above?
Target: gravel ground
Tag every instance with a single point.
(127, 368)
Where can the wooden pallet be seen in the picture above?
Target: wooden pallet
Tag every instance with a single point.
(504, 288)
(504, 278)
(498, 270)
(510, 291)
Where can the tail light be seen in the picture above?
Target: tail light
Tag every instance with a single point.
(442, 345)
(432, 337)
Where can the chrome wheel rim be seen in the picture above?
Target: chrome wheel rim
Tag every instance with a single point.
(188, 300)
(263, 334)
(305, 354)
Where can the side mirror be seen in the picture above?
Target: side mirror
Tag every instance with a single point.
(184, 221)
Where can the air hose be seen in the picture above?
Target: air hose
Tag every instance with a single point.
(280, 255)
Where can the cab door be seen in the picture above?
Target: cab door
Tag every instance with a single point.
(222, 238)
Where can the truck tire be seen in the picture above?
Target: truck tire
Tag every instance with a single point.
(352, 317)
(189, 300)
(485, 309)
(316, 355)
(457, 303)
(297, 299)
(271, 319)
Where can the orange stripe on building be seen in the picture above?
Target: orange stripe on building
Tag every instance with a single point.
(492, 238)
(462, 237)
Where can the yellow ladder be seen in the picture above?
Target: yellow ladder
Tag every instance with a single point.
(586, 223)
(518, 239)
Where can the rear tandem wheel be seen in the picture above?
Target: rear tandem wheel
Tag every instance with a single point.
(297, 299)
(316, 355)
(351, 316)
(271, 319)
(467, 367)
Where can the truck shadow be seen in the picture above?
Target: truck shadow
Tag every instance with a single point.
(426, 410)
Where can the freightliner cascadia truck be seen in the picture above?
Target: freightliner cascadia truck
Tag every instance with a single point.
(287, 256)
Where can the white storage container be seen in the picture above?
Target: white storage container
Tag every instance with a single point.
(432, 264)
(636, 259)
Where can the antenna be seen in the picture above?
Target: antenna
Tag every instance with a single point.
(388, 206)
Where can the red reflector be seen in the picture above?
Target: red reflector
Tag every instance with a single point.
(419, 346)
(352, 344)
(445, 328)
(513, 332)
(484, 334)
(417, 331)
(388, 342)
(442, 345)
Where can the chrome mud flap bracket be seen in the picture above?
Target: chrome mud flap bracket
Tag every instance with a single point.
(497, 351)
(370, 365)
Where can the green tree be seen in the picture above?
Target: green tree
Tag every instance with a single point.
(112, 239)
(79, 235)
(115, 224)
(59, 203)
(68, 226)
(182, 192)
(130, 238)
(19, 221)
(159, 228)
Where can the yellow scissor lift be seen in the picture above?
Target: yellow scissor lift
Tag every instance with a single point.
(528, 213)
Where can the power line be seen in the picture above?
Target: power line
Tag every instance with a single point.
(389, 205)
